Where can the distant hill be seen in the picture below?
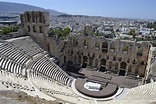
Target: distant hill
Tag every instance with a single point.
(18, 8)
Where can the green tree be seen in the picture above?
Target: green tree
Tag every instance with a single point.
(9, 29)
(60, 32)
(132, 32)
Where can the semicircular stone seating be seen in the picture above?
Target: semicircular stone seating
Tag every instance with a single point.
(16, 53)
(45, 66)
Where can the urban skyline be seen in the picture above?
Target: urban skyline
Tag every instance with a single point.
(143, 9)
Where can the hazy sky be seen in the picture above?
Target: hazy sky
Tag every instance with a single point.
(110, 8)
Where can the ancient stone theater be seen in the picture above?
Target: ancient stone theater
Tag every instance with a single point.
(82, 69)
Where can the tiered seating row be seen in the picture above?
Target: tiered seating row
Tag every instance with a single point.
(45, 66)
(13, 53)
(55, 89)
(144, 94)
(51, 91)
(27, 46)
(15, 81)
(11, 66)
(50, 86)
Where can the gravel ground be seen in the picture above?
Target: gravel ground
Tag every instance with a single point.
(16, 97)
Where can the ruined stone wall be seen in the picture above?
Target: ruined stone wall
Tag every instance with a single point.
(151, 68)
(36, 24)
(83, 48)
(112, 54)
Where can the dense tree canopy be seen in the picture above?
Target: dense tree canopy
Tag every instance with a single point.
(9, 29)
(60, 32)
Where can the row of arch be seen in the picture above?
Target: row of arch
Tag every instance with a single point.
(34, 29)
(113, 58)
(85, 61)
(125, 48)
(105, 47)
(32, 17)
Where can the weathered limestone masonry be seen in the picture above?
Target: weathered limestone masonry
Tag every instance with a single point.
(99, 52)
(151, 68)
(113, 54)
(36, 24)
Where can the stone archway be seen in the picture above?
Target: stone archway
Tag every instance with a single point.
(90, 61)
(79, 59)
(96, 62)
(65, 60)
(85, 61)
(104, 47)
(110, 64)
(140, 51)
(137, 70)
(130, 68)
(40, 29)
(28, 28)
(74, 58)
(116, 66)
(123, 65)
(28, 17)
(48, 46)
(102, 65)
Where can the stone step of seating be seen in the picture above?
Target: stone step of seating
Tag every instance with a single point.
(45, 66)
(48, 83)
(11, 66)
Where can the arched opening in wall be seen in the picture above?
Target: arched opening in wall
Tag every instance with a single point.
(90, 61)
(125, 49)
(48, 46)
(88, 54)
(86, 43)
(136, 70)
(79, 58)
(28, 28)
(34, 29)
(96, 63)
(85, 60)
(114, 58)
(102, 65)
(110, 64)
(97, 45)
(120, 58)
(75, 43)
(104, 47)
(116, 66)
(71, 52)
(142, 62)
(65, 60)
(130, 68)
(74, 58)
(44, 20)
(68, 52)
(40, 29)
(140, 51)
(28, 16)
(112, 47)
(123, 66)
(134, 61)
(33, 16)
(40, 17)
